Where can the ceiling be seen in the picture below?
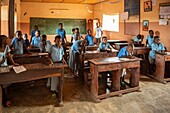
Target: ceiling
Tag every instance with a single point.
(67, 1)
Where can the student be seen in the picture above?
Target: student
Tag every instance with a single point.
(137, 39)
(45, 45)
(126, 52)
(57, 53)
(149, 38)
(156, 47)
(77, 35)
(25, 37)
(4, 53)
(36, 40)
(99, 33)
(33, 32)
(89, 38)
(18, 43)
(73, 31)
(75, 50)
(61, 32)
(104, 45)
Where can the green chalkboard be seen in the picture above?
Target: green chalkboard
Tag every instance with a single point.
(48, 26)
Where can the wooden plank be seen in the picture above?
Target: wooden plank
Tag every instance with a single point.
(11, 13)
(118, 92)
(28, 75)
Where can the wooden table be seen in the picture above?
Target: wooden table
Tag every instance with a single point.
(160, 68)
(34, 72)
(34, 50)
(141, 50)
(88, 55)
(115, 65)
(31, 58)
(139, 45)
(91, 48)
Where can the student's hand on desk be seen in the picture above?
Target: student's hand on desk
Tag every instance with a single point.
(16, 64)
(131, 57)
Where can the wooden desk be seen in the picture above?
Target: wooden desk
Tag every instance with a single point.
(110, 64)
(141, 50)
(91, 48)
(34, 50)
(118, 46)
(31, 58)
(160, 68)
(34, 72)
(88, 55)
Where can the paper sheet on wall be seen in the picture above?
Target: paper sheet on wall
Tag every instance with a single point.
(19, 69)
(163, 21)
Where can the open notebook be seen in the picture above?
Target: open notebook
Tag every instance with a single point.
(19, 69)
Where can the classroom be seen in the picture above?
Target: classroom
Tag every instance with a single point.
(84, 56)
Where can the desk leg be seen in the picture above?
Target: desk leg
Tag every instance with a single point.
(1, 99)
(116, 80)
(135, 75)
(61, 83)
(160, 68)
(94, 80)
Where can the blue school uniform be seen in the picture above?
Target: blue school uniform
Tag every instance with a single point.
(156, 47)
(62, 33)
(33, 33)
(75, 36)
(90, 38)
(103, 46)
(57, 53)
(123, 52)
(27, 42)
(73, 50)
(36, 41)
(56, 56)
(150, 40)
(135, 39)
(18, 45)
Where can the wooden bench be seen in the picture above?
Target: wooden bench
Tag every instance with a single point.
(34, 72)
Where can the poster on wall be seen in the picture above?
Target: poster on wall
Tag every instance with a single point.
(145, 25)
(111, 22)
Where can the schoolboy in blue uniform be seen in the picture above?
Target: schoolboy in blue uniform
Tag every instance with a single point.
(104, 45)
(33, 32)
(77, 35)
(156, 47)
(126, 52)
(57, 53)
(18, 43)
(25, 37)
(36, 40)
(61, 32)
(73, 31)
(137, 39)
(150, 38)
(45, 45)
(89, 38)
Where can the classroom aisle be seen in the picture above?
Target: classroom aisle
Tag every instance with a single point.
(34, 97)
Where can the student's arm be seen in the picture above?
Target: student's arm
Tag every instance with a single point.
(11, 59)
(63, 60)
(100, 47)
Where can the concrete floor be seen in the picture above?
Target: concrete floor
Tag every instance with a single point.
(34, 97)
